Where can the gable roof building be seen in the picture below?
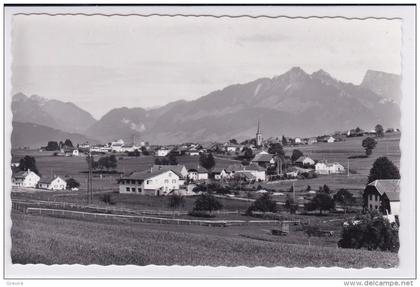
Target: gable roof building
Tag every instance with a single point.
(383, 195)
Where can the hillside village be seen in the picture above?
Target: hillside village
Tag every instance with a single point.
(250, 164)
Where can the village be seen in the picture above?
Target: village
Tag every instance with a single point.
(296, 187)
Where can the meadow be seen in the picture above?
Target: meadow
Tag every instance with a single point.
(49, 240)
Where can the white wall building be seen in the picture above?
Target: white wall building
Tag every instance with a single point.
(162, 152)
(159, 182)
(25, 179)
(49, 183)
(329, 168)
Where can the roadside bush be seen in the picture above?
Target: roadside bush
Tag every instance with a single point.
(72, 183)
(371, 231)
(201, 213)
(263, 204)
(107, 198)
(207, 202)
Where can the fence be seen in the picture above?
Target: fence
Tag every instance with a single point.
(64, 205)
(145, 219)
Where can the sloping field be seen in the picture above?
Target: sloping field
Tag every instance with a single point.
(37, 239)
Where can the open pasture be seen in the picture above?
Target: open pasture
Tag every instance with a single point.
(47, 240)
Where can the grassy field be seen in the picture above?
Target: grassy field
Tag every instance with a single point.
(48, 240)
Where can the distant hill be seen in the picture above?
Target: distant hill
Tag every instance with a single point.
(384, 84)
(52, 113)
(34, 136)
(295, 104)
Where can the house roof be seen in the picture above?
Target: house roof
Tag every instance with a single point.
(240, 167)
(198, 169)
(390, 187)
(46, 179)
(20, 174)
(176, 168)
(245, 174)
(262, 157)
(302, 158)
(146, 174)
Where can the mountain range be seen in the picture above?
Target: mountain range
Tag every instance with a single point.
(294, 104)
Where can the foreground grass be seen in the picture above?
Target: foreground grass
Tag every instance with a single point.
(47, 240)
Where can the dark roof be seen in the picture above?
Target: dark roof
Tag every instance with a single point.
(20, 174)
(198, 169)
(263, 157)
(389, 187)
(46, 179)
(175, 168)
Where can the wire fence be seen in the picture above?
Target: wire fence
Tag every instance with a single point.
(145, 219)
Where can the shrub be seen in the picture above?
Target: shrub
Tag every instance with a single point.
(72, 183)
(371, 231)
(207, 202)
(107, 198)
(201, 213)
(263, 204)
(321, 201)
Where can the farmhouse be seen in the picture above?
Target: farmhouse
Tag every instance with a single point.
(305, 161)
(162, 152)
(158, 182)
(52, 183)
(383, 195)
(197, 174)
(324, 167)
(179, 169)
(331, 139)
(230, 148)
(219, 173)
(25, 178)
(257, 172)
(263, 159)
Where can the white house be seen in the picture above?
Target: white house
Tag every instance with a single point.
(197, 174)
(159, 182)
(117, 146)
(305, 161)
(323, 167)
(162, 152)
(76, 152)
(219, 173)
(330, 139)
(25, 178)
(56, 183)
(298, 140)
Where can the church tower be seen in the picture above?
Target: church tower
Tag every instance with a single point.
(258, 136)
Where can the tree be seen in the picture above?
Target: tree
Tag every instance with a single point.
(207, 202)
(345, 198)
(370, 231)
(296, 154)
(369, 144)
(28, 163)
(248, 154)
(207, 161)
(72, 183)
(52, 145)
(321, 201)
(233, 141)
(144, 151)
(172, 159)
(284, 141)
(68, 143)
(112, 162)
(176, 201)
(290, 204)
(276, 149)
(103, 163)
(264, 204)
(379, 130)
(324, 189)
(383, 168)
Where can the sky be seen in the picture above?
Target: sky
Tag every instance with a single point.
(100, 63)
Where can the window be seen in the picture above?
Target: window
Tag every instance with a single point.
(370, 197)
(376, 207)
(127, 189)
(133, 189)
(170, 174)
(174, 181)
(148, 181)
(139, 189)
(376, 197)
(166, 180)
(370, 206)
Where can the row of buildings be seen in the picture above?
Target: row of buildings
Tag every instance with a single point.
(30, 179)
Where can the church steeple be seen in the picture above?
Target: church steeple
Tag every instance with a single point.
(258, 136)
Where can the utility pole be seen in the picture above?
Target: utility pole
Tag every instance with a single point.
(89, 189)
(348, 167)
(294, 193)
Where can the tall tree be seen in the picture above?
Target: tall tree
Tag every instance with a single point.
(233, 141)
(284, 141)
(207, 202)
(276, 149)
(28, 163)
(52, 145)
(379, 130)
(207, 161)
(296, 154)
(112, 162)
(68, 143)
(383, 168)
(263, 204)
(369, 144)
(344, 198)
(321, 201)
